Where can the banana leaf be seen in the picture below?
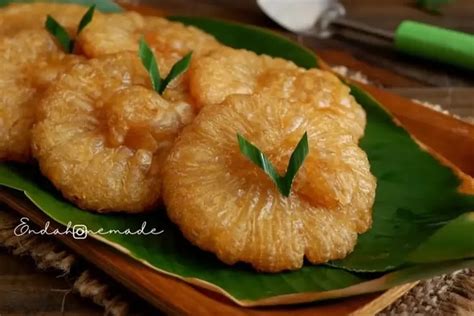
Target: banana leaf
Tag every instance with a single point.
(422, 223)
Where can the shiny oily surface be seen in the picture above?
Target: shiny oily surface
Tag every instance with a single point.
(170, 41)
(18, 17)
(102, 135)
(225, 204)
(226, 71)
(27, 51)
(113, 33)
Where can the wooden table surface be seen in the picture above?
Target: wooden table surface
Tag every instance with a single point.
(24, 290)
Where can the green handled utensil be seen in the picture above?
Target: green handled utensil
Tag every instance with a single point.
(428, 41)
(323, 18)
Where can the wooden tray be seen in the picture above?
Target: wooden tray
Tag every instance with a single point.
(179, 298)
(451, 138)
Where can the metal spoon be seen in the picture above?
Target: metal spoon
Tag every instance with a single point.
(323, 18)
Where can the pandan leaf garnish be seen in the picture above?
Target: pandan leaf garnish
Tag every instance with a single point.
(297, 158)
(149, 62)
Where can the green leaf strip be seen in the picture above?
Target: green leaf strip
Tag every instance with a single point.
(296, 161)
(86, 19)
(149, 62)
(261, 160)
(60, 33)
(181, 66)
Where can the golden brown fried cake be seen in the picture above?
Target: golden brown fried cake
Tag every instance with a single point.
(102, 134)
(225, 204)
(18, 17)
(21, 87)
(27, 51)
(115, 33)
(226, 71)
(170, 42)
(320, 89)
(16, 114)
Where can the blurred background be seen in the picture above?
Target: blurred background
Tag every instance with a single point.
(365, 57)
(384, 14)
